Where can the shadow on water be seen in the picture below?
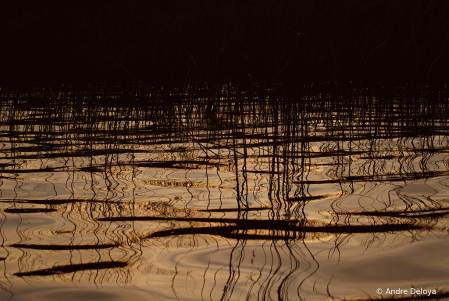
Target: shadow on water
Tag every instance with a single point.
(73, 268)
(217, 192)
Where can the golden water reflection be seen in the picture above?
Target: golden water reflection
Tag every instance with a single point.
(243, 195)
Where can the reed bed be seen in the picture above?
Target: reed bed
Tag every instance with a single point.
(125, 168)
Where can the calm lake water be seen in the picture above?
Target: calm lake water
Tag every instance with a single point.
(113, 193)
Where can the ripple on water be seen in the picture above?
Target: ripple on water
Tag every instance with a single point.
(420, 264)
(58, 293)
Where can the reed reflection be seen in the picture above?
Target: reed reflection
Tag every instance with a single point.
(225, 193)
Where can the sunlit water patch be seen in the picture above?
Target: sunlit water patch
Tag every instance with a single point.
(224, 194)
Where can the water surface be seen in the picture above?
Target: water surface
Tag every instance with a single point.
(116, 193)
